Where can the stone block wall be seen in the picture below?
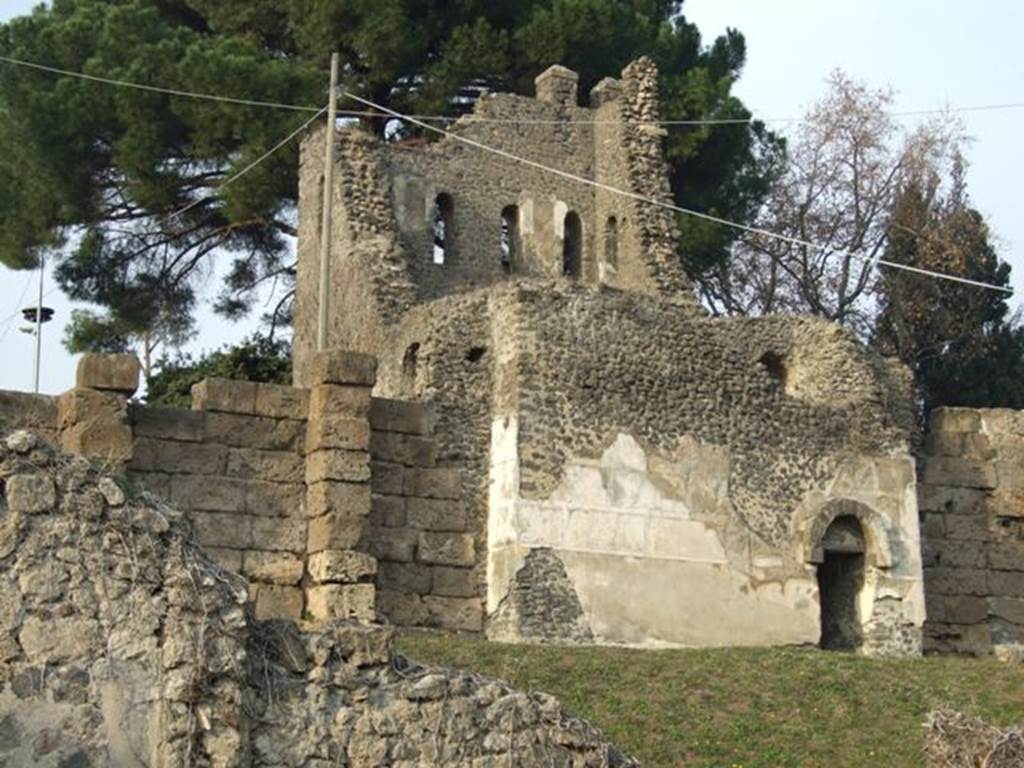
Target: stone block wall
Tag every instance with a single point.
(971, 500)
(275, 479)
(419, 527)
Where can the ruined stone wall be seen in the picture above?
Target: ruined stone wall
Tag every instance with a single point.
(678, 473)
(383, 233)
(122, 643)
(971, 498)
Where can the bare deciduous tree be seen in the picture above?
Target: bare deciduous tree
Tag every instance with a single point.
(848, 160)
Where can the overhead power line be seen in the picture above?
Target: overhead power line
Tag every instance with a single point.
(471, 117)
(231, 179)
(154, 88)
(669, 206)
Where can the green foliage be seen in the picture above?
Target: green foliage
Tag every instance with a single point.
(112, 166)
(749, 707)
(259, 358)
(961, 341)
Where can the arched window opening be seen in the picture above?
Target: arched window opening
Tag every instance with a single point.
(443, 231)
(840, 580)
(410, 363)
(611, 242)
(509, 237)
(572, 245)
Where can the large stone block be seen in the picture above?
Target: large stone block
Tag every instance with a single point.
(967, 527)
(963, 473)
(326, 497)
(395, 544)
(405, 577)
(275, 567)
(388, 511)
(1008, 608)
(454, 582)
(335, 531)
(224, 395)
(941, 498)
(339, 367)
(109, 373)
(21, 410)
(220, 529)
(1006, 583)
(167, 423)
(275, 499)
(1006, 556)
(341, 567)
(342, 601)
(956, 581)
(95, 424)
(208, 493)
(954, 420)
(400, 416)
(279, 534)
(402, 609)
(332, 431)
(278, 602)
(172, 457)
(345, 466)
(446, 549)
(261, 432)
(435, 514)
(271, 466)
(339, 400)
(410, 450)
(282, 402)
(387, 479)
(228, 559)
(460, 614)
(966, 609)
(433, 483)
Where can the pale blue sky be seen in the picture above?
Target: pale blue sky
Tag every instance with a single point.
(934, 53)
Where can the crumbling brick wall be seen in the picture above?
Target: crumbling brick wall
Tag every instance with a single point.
(971, 498)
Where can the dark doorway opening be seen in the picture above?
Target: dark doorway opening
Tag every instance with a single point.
(444, 212)
(509, 238)
(572, 245)
(840, 580)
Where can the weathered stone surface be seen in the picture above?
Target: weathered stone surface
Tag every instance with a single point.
(326, 431)
(446, 549)
(342, 601)
(410, 450)
(455, 613)
(1009, 608)
(345, 466)
(352, 499)
(454, 582)
(433, 483)
(388, 415)
(172, 457)
(110, 373)
(335, 531)
(341, 567)
(277, 602)
(339, 367)
(30, 493)
(271, 466)
(965, 473)
(224, 395)
(405, 577)
(339, 400)
(395, 544)
(282, 402)
(279, 534)
(436, 514)
(208, 493)
(260, 432)
(274, 567)
(388, 511)
(167, 423)
(387, 478)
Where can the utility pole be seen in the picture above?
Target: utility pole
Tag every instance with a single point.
(39, 321)
(325, 227)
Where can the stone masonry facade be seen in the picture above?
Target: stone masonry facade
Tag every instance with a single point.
(971, 497)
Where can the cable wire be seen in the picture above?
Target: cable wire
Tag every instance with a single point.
(670, 206)
(9, 320)
(156, 89)
(471, 117)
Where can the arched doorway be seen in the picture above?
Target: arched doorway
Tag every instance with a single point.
(572, 246)
(840, 580)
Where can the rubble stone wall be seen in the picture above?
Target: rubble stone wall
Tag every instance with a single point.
(122, 643)
(383, 249)
(971, 498)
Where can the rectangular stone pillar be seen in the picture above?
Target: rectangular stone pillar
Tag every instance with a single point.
(93, 417)
(340, 578)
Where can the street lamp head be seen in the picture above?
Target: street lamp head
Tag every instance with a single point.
(30, 314)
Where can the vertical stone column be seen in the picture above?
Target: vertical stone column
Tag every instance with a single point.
(93, 417)
(340, 580)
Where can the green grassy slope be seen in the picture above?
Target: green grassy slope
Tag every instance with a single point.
(746, 707)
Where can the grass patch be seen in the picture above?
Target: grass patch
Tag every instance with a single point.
(728, 708)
